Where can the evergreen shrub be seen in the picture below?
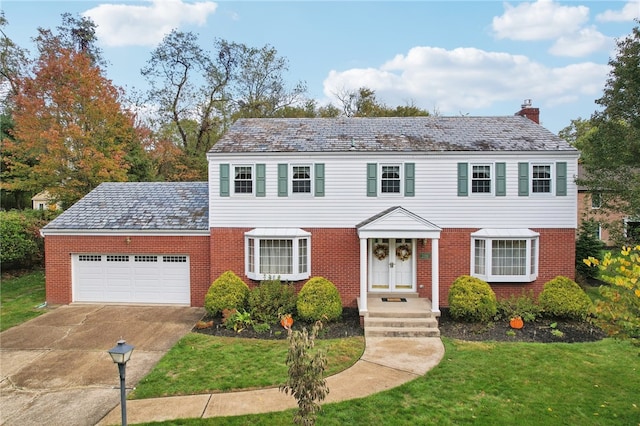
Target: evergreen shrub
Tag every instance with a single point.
(228, 291)
(472, 299)
(562, 297)
(319, 300)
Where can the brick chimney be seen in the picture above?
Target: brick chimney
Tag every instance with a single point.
(526, 110)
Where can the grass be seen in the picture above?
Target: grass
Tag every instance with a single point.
(484, 383)
(200, 363)
(19, 297)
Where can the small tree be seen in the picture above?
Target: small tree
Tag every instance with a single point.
(619, 310)
(588, 245)
(306, 383)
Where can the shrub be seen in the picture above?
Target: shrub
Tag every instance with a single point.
(319, 300)
(523, 306)
(472, 299)
(563, 298)
(272, 299)
(228, 291)
(20, 239)
(588, 245)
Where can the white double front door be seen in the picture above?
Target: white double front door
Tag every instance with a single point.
(392, 263)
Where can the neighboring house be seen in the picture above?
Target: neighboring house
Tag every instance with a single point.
(376, 205)
(589, 209)
(42, 201)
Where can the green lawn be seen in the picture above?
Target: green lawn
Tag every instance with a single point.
(485, 383)
(19, 297)
(199, 363)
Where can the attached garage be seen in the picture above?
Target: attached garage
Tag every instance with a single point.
(123, 278)
(131, 242)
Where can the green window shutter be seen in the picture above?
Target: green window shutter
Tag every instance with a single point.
(501, 179)
(282, 180)
(561, 179)
(261, 186)
(463, 179)
(409, 179)
(523, 179)
(224, 180)
(372, 179)
(319, 180)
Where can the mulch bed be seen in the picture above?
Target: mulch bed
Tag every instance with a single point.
(541, 331)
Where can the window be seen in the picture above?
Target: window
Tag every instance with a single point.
(243, 180)
(481, 179)
(505, 255)
(596, 200)
(390, 179)
(541, 179)
(301, 179)
(283, 253)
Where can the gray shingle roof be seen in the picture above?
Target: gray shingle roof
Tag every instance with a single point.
(393, 134)
(139, 206)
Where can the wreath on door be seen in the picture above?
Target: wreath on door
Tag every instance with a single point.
(381, 251)
(403, 252)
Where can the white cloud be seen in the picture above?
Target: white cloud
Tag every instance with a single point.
(583, 43)
(134, 25)
(629, 12)
(469, 79)
(542, 20)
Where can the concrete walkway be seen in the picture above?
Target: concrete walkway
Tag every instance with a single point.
(387, 362)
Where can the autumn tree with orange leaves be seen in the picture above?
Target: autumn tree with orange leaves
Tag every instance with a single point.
(70, 131)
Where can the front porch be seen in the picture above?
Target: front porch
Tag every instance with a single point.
(402, 315)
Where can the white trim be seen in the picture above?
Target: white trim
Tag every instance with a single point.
(126, 232)
(490, 235)
(293, 234)
(505, 233)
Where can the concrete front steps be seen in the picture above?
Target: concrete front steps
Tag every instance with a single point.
(412, 318)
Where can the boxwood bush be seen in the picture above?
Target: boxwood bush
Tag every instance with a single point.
(319, 299)
(472, 299)
(228, 291)
(562, 297)
(272, 299)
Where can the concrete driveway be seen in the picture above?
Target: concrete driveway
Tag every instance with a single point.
(55, 369)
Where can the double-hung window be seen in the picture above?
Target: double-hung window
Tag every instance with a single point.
(301, 179)
(243, 180)
(278, 253)
(541, 178)
(481, 179)
(390, 179)
(504, 255)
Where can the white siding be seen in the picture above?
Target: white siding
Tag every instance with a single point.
(346, 204)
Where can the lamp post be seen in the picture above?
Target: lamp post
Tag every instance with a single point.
(120, 354)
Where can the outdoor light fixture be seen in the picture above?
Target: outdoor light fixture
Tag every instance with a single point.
(120, 354)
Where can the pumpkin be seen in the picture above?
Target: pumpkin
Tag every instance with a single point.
(516, 322)
(286, 321)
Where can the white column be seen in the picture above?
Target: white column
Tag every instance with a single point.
(363, 275)
(435, 274)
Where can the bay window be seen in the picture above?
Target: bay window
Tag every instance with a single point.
(505, 255)
(278, 253)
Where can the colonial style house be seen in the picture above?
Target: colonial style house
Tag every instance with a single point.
(393, 206)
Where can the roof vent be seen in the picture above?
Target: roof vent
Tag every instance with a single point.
(526, 103)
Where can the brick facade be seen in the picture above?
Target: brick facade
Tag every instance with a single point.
(335, 256)
(59, 248)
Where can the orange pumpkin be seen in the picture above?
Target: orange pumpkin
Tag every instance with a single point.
(286, 321)
(516, 322)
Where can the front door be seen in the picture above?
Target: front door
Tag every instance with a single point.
(392, 265)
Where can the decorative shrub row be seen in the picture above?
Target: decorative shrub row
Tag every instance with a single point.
(318, 299)
(472, 299)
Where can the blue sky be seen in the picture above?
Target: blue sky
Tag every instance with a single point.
(448, 57)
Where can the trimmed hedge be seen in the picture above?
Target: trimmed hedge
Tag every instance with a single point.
(319, 300)
(472, 299)
(562, 297)
(228, 291)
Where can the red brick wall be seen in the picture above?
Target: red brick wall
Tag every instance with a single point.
(59, 248)
(335, 256)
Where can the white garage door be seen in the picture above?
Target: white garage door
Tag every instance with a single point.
(122, 278)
